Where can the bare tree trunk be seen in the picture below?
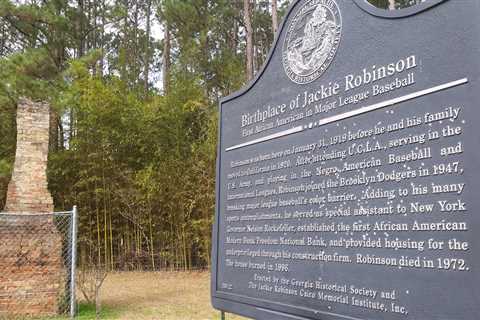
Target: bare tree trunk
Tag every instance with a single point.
(135, 45)
(166, 58)
(61, 135)
(391, 4)
(112, 257)
(249, 36)
(81, 29)
(100, 276)
(95, 32)
(124, 46)
(152, 250)
(53, 141)
(3, 38)
(274, 17)
(88, 21)
(102, 37)
(255, 35)
(147, 46)
(71, 133)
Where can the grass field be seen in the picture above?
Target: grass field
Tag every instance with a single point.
(156, 296)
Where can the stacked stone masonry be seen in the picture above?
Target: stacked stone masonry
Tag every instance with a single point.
(27, 190)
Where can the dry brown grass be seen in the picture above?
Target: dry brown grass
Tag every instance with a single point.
(160, 296)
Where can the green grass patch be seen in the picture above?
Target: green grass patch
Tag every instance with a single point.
(87, 312)
(84, 312)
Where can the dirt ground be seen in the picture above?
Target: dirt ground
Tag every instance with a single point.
(159, 296)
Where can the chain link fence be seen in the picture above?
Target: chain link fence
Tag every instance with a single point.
(37, 265)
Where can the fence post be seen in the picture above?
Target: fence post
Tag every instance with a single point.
(73, 262)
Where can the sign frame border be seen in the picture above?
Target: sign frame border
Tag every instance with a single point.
(243, 305)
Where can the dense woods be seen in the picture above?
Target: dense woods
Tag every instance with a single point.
(134, 88)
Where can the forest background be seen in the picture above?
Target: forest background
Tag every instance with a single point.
(134, 88)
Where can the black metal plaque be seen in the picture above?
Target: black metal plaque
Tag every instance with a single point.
(347, 180)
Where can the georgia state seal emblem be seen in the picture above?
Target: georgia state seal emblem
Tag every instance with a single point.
(312, 40)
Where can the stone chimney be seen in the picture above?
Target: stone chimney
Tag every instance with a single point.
(27, 190)
(32, 271)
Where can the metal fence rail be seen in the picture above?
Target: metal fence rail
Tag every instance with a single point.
(37, 265)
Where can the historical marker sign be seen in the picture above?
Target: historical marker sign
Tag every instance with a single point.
(348, 179)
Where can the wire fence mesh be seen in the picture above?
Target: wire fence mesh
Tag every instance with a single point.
(37, 264)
